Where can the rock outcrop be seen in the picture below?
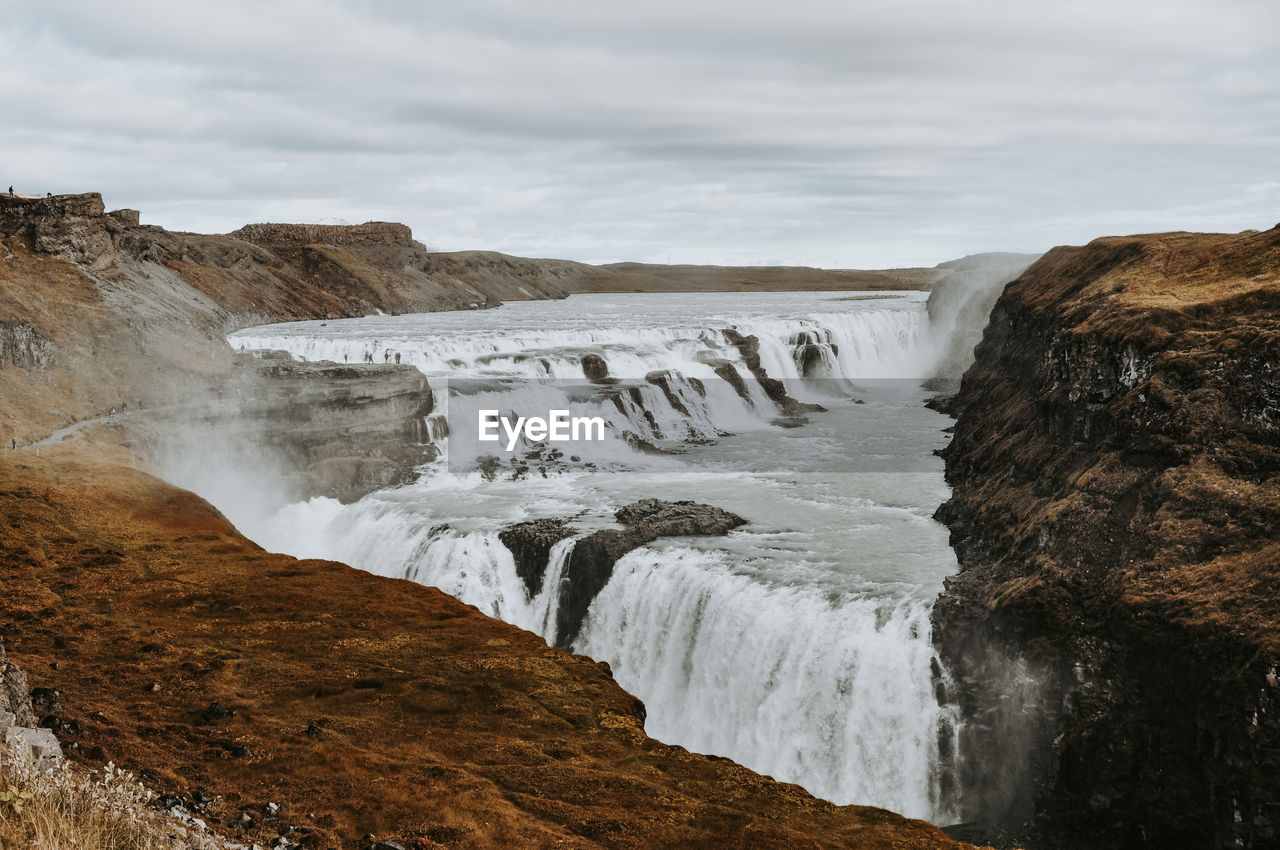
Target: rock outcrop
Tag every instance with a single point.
(18, 716)
(1114, 634)
(776, 390)
(530, 544)
(323, 429)
(15, 694)
(590, 564)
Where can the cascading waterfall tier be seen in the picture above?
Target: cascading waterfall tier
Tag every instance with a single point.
(799, 645)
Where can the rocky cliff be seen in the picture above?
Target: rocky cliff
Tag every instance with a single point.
(1115, 631)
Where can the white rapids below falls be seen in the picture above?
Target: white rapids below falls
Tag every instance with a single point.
(799, 645)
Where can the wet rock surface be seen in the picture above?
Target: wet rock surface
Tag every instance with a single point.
(749, 348)
(1114, 633)
(530, 543)
(590, 564)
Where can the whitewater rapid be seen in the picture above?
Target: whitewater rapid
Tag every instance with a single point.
(799, 645)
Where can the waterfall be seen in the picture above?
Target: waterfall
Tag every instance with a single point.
(831, 694)
(743, 647)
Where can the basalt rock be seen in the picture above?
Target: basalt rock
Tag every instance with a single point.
(594, 367)
(530, 543)
(369, 233)
(70, 226)
(749, 348)
(324, 429)
(730, 375)
(590, 564)
(1113, 638)
(662, 380)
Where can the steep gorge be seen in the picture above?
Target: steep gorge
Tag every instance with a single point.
(303, 699)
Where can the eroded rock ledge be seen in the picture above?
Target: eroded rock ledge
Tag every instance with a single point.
(590, 564)
(1115, 629)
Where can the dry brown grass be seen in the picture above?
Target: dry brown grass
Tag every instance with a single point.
(62, 806)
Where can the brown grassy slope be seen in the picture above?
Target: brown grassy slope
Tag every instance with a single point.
(431, 720)
(647, 277)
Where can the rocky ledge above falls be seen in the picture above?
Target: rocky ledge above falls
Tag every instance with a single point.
(1114, 633)
(590, 563)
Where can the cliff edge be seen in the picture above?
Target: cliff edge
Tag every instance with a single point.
(1115, 630)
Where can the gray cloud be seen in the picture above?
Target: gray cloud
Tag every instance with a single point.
(827, 133)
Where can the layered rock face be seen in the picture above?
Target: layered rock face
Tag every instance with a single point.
(1114, 634)
(326, 429)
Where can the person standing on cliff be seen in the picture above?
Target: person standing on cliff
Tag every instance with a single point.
(10, 190)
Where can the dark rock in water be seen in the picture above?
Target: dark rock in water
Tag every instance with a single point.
(749, 348)
(530, 543)
(812, 360)
(730, 375)
(662, 380)
(640, 444)
(489, 466)
(940, 403)
(790, 421)
(591, 563)
(677, 519)
(594, 367)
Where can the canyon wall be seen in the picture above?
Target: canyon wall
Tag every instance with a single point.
(1114, 632)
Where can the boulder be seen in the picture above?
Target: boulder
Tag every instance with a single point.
(15, 695)
(42, 744)
(594, 367)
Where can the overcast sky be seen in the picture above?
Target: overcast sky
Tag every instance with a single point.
(844, 134)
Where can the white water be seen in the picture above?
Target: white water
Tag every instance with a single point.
(799, 645)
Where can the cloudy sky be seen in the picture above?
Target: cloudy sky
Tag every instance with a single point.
(850, 134)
